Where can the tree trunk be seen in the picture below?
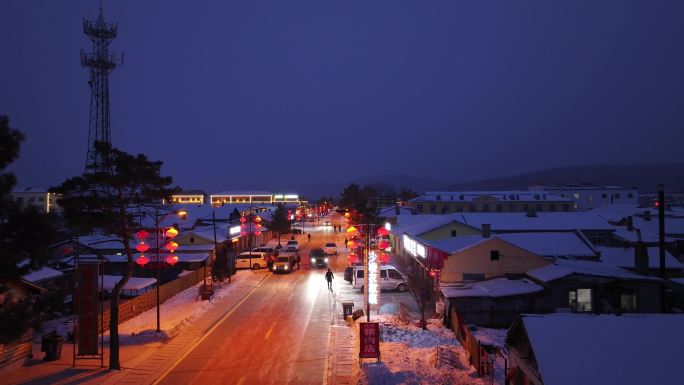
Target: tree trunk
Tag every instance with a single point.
(114, 360)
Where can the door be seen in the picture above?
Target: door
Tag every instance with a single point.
(394, 278)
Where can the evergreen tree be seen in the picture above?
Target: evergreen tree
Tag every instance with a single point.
(110, 201)
(279, 222)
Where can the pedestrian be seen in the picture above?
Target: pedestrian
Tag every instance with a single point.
(346, 241)
(299, 260)
(329, 277)
(309, 236)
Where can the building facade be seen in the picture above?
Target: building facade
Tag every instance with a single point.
(40, 198)
(587, 196)
(449, 202)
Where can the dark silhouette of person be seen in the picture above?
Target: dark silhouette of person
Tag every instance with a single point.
(346, 241)
(329, 277)
(299, 260)
(309, 236)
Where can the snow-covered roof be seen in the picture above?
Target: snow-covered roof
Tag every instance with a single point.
(649, 229)
(102, 242)
(543, 221)
(564, 268)
(550, 244)
(418, 224)
(624, 257)
(242, 192)
(503, 196)
(589, 349)
(457, 244)
(42, 274)
(615, 212)
(494, 288)
(182, 257)
(391, 211)
(133, 283)
(679, 281)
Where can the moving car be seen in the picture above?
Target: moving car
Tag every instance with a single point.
(330, 248)
(318, 258)
(292, 245)
(253, 260)
(390, 278)
(283, 264)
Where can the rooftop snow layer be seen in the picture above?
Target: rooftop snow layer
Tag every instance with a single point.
(563, 268)
(624, 257)
(497, 287)
(42, 274)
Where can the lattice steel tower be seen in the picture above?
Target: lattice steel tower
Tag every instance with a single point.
(100, 64)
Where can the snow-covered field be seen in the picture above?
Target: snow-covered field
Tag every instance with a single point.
(409, 355)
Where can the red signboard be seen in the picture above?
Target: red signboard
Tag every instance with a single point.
(87, 297)
(370, 340)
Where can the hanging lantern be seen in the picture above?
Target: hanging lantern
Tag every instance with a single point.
(433, 273)
(171, 233)
(257, 219)
(383, 231)
(243, 219)
(172, 259)
(352, 244)
(142, 247)
(352, 258)
(142, 260)
(171, 246)
(142, 234)
(257, 233)
(384, 257)
(383, 244)
(243, 233)
(352, 230)
(347, 215)
(243, 226)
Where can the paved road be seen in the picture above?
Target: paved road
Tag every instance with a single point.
(280, 333)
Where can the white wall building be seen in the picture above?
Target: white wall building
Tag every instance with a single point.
(37, 197)
(588, 196)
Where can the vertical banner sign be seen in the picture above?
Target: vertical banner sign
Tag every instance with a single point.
(88, 298)
(370, 340)
(373, 279)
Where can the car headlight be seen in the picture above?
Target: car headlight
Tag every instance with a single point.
(325, 260)
(285, 267)
(313, 260)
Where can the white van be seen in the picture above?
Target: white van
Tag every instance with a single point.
(254, 260)
(390, 278)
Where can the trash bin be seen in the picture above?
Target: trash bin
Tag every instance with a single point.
(347, 309)
(51, 344)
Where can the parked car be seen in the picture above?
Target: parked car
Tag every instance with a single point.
(348, 273)
(292, 245)
(253, 260)
(297, 230)
(318, 258)
(390, 278)
(283, 264)
(330, 248)
(264, 249)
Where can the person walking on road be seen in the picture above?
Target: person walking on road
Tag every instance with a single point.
(309, 236)
(346, 242)
(329, 277)
(299, 260)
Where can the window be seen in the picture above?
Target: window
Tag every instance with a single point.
(459, 208)
(359, 273)
(394, 274)
(494, 255)
(576, 195)
(597, 238)
(511, 207)
(617, 195)
(471, 208)
(383, 274)
(453, 233)
(433, 209)
(630, 195)
(580, 300)
(604, 196)
(485, 208)
(552, 207)
(525, 207)
(420, 208)
(499, 208)
(41, 199)
(32, 199)
(540, 207)
(473, 276)
(566, 207)
(628, 301)
(445, 209)
(590, 198)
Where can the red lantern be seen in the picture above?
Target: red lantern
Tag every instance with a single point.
(243, 219)
(257, 219)
(257, 233)
(171, 233)
(142, 234)
(384, 257)
(243, 226)
(171, 246)
(142, 247)
(142, 260)
(172, 259)
(383, 244)
(243, 233)
(352, 258)
(352, 244)
(433, 273)
(383, 231)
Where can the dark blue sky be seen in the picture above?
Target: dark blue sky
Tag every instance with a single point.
(269, 94)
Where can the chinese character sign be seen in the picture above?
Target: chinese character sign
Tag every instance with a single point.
(370, 340)
(373, 279)
(87, 302)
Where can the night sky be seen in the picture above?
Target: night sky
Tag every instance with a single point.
(276, 94)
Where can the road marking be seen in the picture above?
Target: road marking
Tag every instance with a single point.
(268, 334)
(208, 332)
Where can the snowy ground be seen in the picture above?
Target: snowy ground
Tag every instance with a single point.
(409, 355)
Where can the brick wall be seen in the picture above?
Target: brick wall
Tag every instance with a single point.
(129, 308)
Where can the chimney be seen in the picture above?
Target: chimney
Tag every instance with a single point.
(630, 223)
(486, 230)
(531, 212)
(647, 215)
(640, 258)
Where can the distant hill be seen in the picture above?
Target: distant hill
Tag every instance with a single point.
(645, 176)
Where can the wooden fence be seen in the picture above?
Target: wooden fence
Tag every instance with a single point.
(129, 308)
